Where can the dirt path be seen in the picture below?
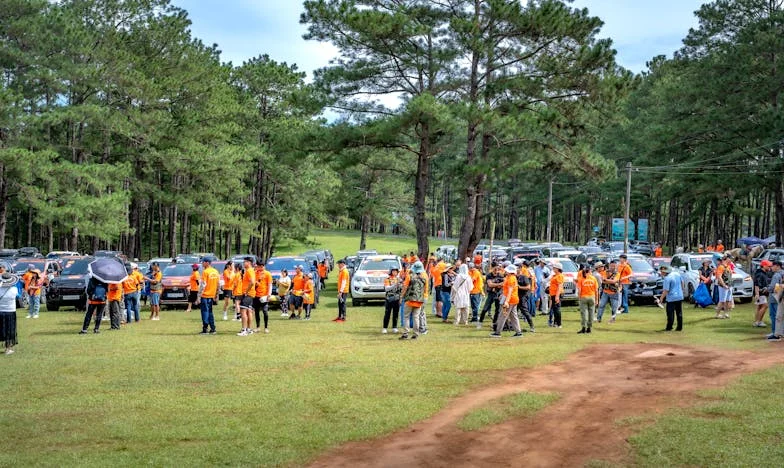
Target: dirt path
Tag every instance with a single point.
(598, 386)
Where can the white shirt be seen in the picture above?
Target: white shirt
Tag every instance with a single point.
(8, 300)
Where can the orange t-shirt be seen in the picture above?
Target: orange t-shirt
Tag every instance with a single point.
(211, 280)
(322, 270)
(263, 283)
(195, 279)
(556, 284)
(510, 289)
(228, 280)
(720, 271)
(115, 292)
(625, 270)
(139, 279)
(587, 285)
(476, 277)
(308, 296)
(298, 284)
(436, 272)
(720, 248)
(658, 252)
(237, 280)
(248, 281)
(26, 279)
(343, 281)
(130, 285)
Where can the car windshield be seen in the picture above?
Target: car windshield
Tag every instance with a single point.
(25, 264)
(178, 269)
(288, 264)
(696, 262)
(379, 264)
(75, 267)
(568, 267)
(640, 266)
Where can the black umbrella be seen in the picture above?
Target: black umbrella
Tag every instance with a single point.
(108, 270)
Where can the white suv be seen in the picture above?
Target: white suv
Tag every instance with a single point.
(742, 284)
(368, 280)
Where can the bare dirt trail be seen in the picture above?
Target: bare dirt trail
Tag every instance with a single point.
(599, 386)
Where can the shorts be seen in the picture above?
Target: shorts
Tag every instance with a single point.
(725, 294)
(228, 293)
(295, 301)
(192, 296)
(761, 300)
(155, 298)
(438, 294)
(246, 302)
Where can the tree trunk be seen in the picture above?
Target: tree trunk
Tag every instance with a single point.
(779, 207)
(4, 200)
(420, 190)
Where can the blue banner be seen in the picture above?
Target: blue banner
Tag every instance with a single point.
(617, 229)
(642, 229)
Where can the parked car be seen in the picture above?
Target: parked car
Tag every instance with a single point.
(366, 253)
(368, 280)
(31, 252)
(55, 254)
(21, 298)
(311, 266)
(447, 253)
(351, 263)
(646, 283)
(8, 253)
(48, 267)
(593, 257)
(322, 255)
(570, 254)
(111, 253)
(550, 250)
(570, 271)
(525, 253)
(642, 247)
(176, 284)
(589, 249)
(742, 284)
(289, 263)
(596, 241)
(613, 247)
(69, 289)
(239, 259)
(767, 254)
(656, 262)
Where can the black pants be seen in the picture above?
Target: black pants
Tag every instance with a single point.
(342, 305)
(96, 309)
(525, 314)
(391, 308)
(259, 307)
(555, 309)
(675, 311)
(492, 298)
(114, 314)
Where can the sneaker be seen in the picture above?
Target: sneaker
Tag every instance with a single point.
(203, 332)
(588, 330)
(413, 337)
(284, 314)
(336, 319)
(249, 331)
(341, 320)
(532, 330)
(96, 331)
(213, 332)
(394, 330)
(495, 335)
(29, 316)
(612, 320)
(517, 335)
(242, 333)
(761, 325)
(478, 325)
(559, 326)
(256, 330)
(582, 331)
(383, 331)
(83, 332)
(423, 332)
(225, 316)
(403, 337)
(35, 316)
(9, 351)
(266, 330)
(773, 338)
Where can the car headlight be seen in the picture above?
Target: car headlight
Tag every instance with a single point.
(747, 279)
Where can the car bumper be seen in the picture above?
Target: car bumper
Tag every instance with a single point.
(67, 297)
(368, 291)
(743, 291)
(174, 296)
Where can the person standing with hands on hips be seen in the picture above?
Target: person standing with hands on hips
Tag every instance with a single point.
(343, 285)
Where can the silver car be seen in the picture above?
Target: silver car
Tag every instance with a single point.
(367, 283)
(742, 284)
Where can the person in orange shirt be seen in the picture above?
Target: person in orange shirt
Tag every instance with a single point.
(263, 291)
(34, 285)
(114, 297)
(556, 291)
(248, 290)
(138, 295)
(97, 292)
(588, 294)
(478, 290)
(719, 246)
(228, 287)
(658, 251)
(296, 302)
(207, 295)
(130, 288)
(323, 271)
(309, 297)
(193, 287)
(237, 292)
(710, 248)
(436, 275)
(511, 299)
(343, 285)
(625, 272)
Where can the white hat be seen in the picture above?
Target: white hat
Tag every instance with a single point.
(558, 265)
(511, 269)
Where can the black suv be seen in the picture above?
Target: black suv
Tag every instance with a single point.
(70, 288)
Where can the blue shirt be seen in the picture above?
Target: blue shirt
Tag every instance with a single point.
(673, 286)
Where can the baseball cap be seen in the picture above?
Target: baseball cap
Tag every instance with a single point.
(195, 266)
(623, 256)
(510, 269)
(766, 263)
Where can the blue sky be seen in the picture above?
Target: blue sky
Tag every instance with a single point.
(640, 29)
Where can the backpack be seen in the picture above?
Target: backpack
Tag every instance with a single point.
(99, 291)
(416, 289)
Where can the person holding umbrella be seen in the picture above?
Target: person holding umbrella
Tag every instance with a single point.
(103, 272)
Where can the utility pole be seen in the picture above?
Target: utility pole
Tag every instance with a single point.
(628, 203)
(550, 211)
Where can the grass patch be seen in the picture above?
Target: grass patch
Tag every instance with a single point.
(744, 427)
(155, 393)
(506, 408)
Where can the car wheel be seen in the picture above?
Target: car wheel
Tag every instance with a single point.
(356, 302)
(690, 292)
(53, 306)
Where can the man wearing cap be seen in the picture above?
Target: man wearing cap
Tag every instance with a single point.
(672, 294)
(207, 295)
(556, 291)
(625, 273)
(392, 288)
(610, 285)
(343, 285)
(724, 280)
(761, 292)
(193, 287)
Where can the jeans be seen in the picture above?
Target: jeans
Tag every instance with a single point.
(625, 298)
(476, 301)
(342, 305)
(603, 300)
(526, 311)
(207, 318)
(35, 305)
(675, 311)
(446, 298)
(96, 309)
(131, 307)
(773, 307)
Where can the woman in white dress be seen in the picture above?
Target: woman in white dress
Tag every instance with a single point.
(461, 295)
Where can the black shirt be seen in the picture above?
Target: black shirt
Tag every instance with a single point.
(494, 278)
(523, 281)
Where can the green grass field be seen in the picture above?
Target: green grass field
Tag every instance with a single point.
(156, 393)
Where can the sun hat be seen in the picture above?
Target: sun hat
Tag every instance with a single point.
(418, 267)
(598, 265)
(664, 267)
(134, 266)
(558, 265)
(510, 269)
(8, 279)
